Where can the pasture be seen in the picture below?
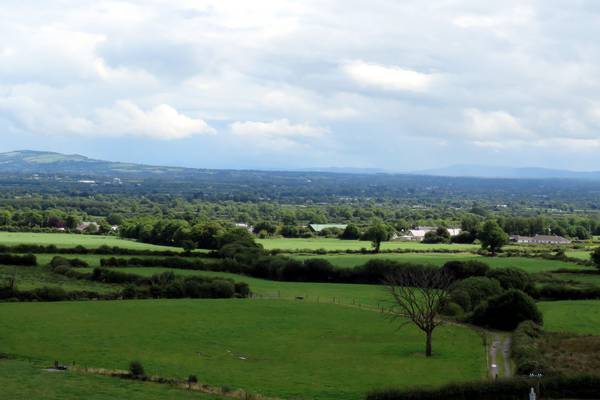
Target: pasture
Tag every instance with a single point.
(28, 278)
(273, 347)
(73, 240)
(341, 245)
(21, 380)
(438, 259)
(581, 316)
(345, 294)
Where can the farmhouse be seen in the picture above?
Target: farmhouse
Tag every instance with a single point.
(539, 239)
(319, 227)
(419, 232)
(88, 225)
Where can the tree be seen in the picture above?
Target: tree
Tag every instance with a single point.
(419, 296)
(377, 233)
(440, 235)
(492, 237)
(350, 233)
(596, 257)
(507, 310)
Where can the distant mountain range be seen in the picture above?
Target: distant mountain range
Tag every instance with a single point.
(485, 171)
(42, 162)
(29, 161)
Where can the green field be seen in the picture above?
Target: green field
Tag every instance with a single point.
(581, 278)
(337, 244)
(274, 347)
(581, 316)
(94, 259)
(72, 240)
(21, 380)
(528, 264)
(35, 277)
(346, 294)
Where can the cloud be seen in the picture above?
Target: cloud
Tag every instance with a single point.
(486, 126)
(388, 77)
(124, 118)
(278, 135)
(160, 122)
(280, 127)
(483, 78)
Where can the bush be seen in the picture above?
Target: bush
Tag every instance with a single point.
(11, 259)
(506, 311)
(464, 269)
(524, 350)
(512, 278)
(136, 369)
(580, 387)
(478, 288)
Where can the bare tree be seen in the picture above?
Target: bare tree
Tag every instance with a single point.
(418, 295)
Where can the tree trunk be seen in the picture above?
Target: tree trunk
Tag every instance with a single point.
(428, 351)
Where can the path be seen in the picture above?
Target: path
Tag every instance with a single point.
(499, 361)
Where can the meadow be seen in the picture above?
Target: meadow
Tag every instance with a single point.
(345, 294)
(35, 277)
(73, 240)
(22, 380)
(438, 259)
(274, 347)
(337, 244)
(581, 316)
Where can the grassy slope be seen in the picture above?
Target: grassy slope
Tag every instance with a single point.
(21, 380)
(582, 316)
(292, 349)
(72, 240)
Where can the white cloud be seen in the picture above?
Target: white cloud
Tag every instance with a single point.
(279, 135)
(280, 127)
(160, 122)
(388, 77)
(124, 118)
(482, 126)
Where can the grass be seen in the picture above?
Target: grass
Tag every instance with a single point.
(274, 347)
(94, 259)
(581, 316)
(528, 264)
(36, 277)
(581, 278)
(22, 380)
(72, 240)
(337, 244)
(346, 294)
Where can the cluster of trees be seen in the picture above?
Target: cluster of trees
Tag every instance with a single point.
(178, 232)
(497, 298)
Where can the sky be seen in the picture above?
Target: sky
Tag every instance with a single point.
(287, 84)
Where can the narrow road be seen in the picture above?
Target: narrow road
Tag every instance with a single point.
(500, 364)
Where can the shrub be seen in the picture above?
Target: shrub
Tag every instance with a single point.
(465, 269)
(478, 288)
(136, 369)
(580, 387)
(24, 260)
(524, 351)
(512, 278)
(506, 311)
